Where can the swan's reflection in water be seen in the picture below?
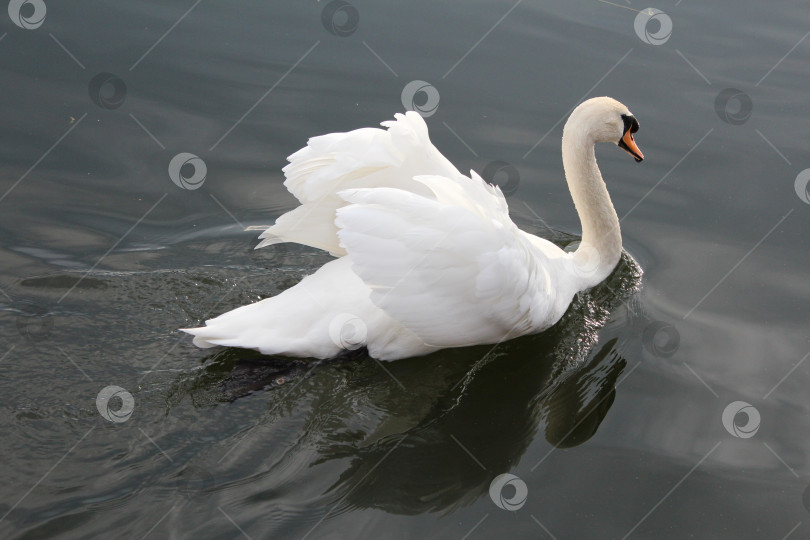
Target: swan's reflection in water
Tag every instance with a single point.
(429, 434)
(475, 432)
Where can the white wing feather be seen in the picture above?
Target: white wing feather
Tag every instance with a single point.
(455, 270)
(363, 158)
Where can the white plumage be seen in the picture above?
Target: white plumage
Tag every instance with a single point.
(427, 257)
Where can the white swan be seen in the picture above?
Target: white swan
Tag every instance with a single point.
(427, 258)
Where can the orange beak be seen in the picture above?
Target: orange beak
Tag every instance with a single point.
(628, 144)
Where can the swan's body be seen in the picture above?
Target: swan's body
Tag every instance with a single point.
(427, 258)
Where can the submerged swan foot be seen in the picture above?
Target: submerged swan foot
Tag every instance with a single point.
(269, 373)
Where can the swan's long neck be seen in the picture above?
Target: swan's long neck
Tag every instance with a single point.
(601, 245)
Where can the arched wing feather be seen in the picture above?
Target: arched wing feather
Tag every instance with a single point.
(458, 253)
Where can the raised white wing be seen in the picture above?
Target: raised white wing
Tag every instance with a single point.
(453, 268)
(364, 158)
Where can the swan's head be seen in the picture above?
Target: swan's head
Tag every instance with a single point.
(603, 119)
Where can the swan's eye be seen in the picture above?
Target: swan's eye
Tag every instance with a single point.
(630, 123)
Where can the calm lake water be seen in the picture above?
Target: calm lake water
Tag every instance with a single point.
(671, 404)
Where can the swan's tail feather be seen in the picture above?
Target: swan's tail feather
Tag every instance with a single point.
(296, 322)
(253, 326)
(198, 340)
(363, 158)
(206, 337)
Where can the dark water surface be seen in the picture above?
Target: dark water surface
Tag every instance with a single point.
(620, 421)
